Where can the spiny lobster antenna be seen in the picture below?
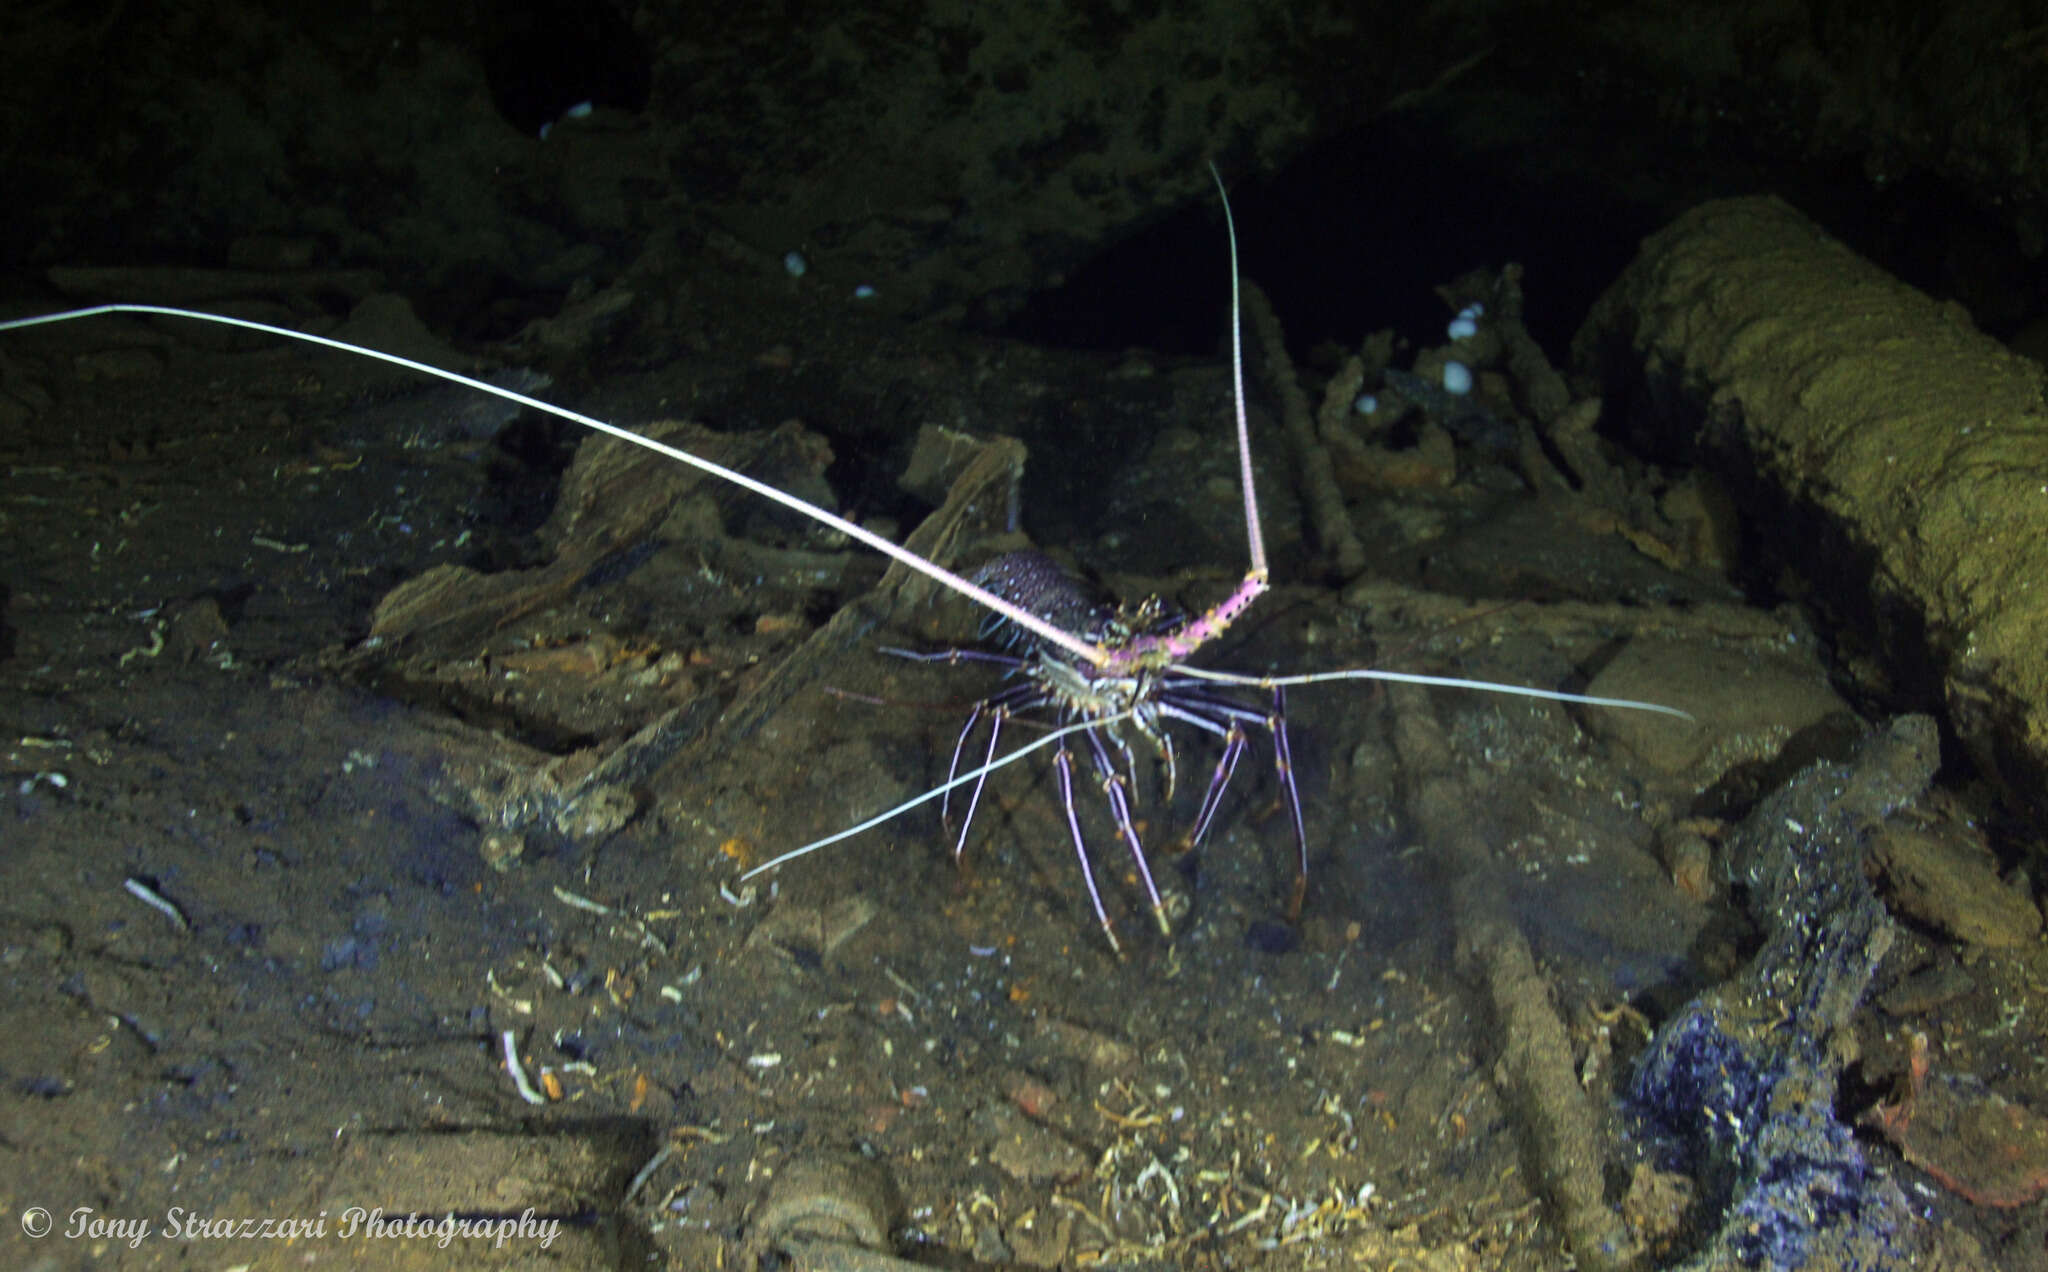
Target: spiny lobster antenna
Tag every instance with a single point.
(1171, 647)
(1253, 533)
(973, 591)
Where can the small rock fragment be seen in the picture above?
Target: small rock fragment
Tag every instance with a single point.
(1926, 989)
(1979, 1144)
(1033, 1098)
(1690, 859)
(502, 849)
(1032, 1154)
(1657, 1207)
(1082, 1043)
(1746, 704)
(598, 813)
(1950, 884)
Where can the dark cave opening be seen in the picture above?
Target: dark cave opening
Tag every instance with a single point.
(1356, 233)
(549, 57)
(1351, 237)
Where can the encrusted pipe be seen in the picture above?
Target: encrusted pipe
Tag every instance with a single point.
(1560, 1128)
(1879, 444)
(1325, 501)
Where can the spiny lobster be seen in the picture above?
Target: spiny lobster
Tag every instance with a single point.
(1092, 668)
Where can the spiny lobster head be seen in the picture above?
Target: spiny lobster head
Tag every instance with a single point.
(1041, 585)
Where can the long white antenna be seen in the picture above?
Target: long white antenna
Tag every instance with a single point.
(1244, 432)
(1415, 678)
(1008, 758)
(1022, 617)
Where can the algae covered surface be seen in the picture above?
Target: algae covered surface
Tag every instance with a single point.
(1899, 450)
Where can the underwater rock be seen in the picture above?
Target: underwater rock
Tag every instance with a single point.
(1976, 1142)
(1927, 989)
(1747, 703)
(1951, 886)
